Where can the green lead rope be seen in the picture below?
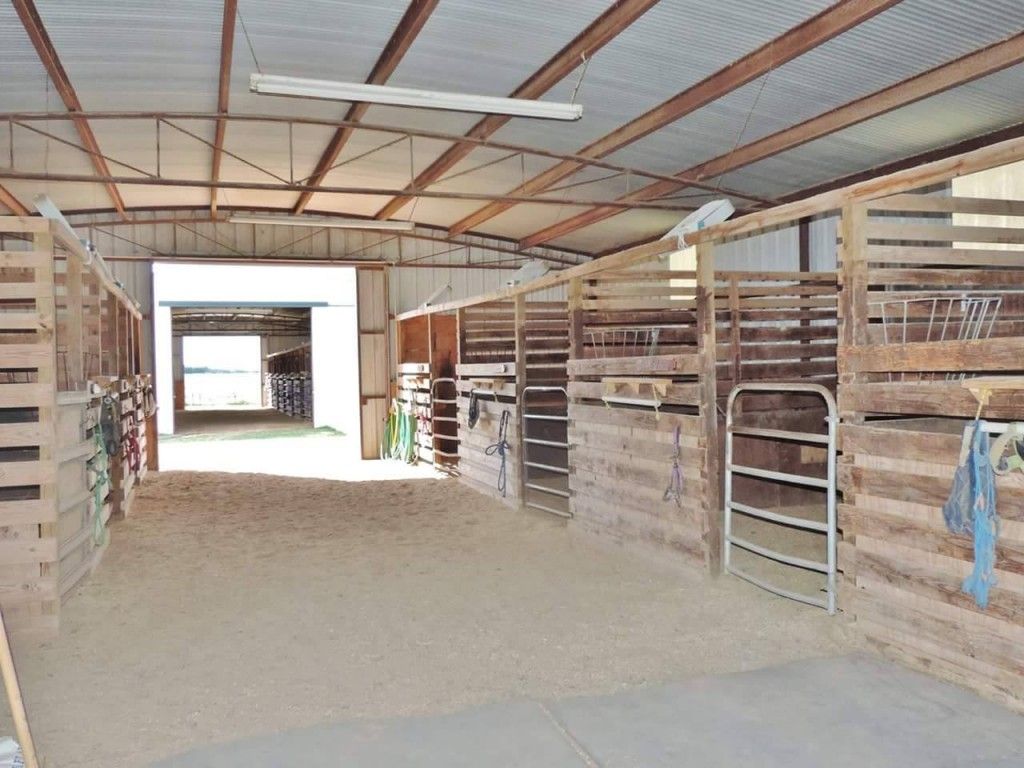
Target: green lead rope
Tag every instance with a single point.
(100, 487)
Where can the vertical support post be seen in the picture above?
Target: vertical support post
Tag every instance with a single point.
(46, 308)
(521, 383)
(711, 524)
(575, 319)
(853, 294)
(735, 323)
(460, 336)
(74, 360)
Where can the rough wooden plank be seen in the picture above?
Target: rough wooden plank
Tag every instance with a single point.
(945, 233)
(926, 399)
(635, 366)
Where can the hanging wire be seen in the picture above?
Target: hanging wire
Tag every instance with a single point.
(248, 39)
(746, 124)
(586, 62)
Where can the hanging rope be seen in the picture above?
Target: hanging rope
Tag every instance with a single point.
(132, 451)
(971, 509)
(501, 448)
(99, 465)
(110, 425)
(674, 489)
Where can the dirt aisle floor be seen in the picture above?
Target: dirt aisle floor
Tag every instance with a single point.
(234, 605)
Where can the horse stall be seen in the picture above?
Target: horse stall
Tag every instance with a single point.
(776, 377)
(636, 426)
(427, 348)
(934, 340)
(488, 398)
(73, 417)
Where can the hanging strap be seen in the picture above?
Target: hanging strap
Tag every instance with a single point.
(674, 489)
(501, 448)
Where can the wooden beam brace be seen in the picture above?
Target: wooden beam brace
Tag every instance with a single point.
(972, 66)
(402, 38)
(227, 47)
(795, 42)
(48, 55)
(598, 33)
(9, 201)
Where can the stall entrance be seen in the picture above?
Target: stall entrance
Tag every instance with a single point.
(546, 449)
(764, 536)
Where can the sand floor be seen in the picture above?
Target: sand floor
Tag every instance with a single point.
(234, 605)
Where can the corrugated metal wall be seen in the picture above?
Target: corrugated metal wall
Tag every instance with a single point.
(779, 250)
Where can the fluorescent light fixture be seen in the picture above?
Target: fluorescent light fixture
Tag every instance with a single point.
(282, 85)
(325, 221)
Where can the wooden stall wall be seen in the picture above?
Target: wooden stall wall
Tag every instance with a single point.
(927, 307)
(488, 365)
(61, 325)
(634, 339)
(428, 350)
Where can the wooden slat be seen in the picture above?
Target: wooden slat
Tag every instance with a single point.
(931, 204)
(944, 278)
(25, 395)
(934, 256)
(634, 366)
(881, 230)
(1003, 354)
(28, 551)
(677, 394)
(24, 259)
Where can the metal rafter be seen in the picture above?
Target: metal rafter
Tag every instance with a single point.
(560, 256)
(405, 33)
(166, 118)
(36, 31)
(83, 178)
(599, 33)
(227, 47)
(971, 66)
(795, 42)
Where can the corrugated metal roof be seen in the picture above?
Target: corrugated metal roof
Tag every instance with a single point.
(908, 39)
(149, 55)
(970, 110)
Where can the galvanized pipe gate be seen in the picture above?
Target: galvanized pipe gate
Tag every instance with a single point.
(827, 484)
(535, 471)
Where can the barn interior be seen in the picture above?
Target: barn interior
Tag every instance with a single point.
(444, 382)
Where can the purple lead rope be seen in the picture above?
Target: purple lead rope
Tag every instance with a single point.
(674, 489)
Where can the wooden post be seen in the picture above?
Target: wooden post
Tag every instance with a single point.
(735, 322)
(15, 700)
(74, 355)
(460, 336)
(521, 383)
(575, 319)
(711, 524)
(853, 298)
(46, 308)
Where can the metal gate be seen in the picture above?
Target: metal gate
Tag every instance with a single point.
(549, 479)
(827, 484)
(444, 457)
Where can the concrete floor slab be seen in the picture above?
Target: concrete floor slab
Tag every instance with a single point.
(515, 734)
(847, 711)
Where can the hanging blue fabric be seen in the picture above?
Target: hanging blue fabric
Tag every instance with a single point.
(971, 509)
